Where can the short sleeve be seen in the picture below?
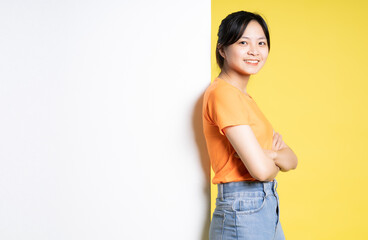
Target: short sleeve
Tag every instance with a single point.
(227, 107)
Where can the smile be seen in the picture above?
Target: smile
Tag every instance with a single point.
(252, 62)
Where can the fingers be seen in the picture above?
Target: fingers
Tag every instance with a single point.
(283, 145)
(274, 140)
(277, 142)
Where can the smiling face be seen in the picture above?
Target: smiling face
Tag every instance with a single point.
(247, 55)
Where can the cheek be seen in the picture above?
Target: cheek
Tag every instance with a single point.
(235, 53)
(265, 54)
(233, 57)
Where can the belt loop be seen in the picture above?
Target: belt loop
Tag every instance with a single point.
(221, 191)
(274, 186)
(264, 188)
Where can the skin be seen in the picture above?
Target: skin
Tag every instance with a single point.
(262, 164)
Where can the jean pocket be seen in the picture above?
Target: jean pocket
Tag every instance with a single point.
(248, 205)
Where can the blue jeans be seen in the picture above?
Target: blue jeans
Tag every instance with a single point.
(248, 211)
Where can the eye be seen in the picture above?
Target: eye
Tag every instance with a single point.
(262, 43)
(243, 42)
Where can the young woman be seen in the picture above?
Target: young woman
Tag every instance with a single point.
(246, 153)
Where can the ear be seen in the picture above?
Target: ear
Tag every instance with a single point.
(222, 52)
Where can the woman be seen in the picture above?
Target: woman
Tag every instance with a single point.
(246, 153)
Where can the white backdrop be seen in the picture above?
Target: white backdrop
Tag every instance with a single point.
(100, 128)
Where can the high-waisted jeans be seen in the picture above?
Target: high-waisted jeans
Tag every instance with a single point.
(247, 211)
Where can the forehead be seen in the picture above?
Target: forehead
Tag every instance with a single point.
(253, 30)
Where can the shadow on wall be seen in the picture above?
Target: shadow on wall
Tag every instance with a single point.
(204, 161)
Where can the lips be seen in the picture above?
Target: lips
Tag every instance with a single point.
(252, 60)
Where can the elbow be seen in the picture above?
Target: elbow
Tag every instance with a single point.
(266, 177)
(263, 178)
(263, 175)
(266, 172)
(292, 166)
(295, 163)
(257, 175)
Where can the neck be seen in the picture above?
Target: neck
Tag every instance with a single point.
(236, 79)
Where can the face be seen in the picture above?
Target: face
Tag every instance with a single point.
(247, 55)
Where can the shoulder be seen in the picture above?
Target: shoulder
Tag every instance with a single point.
(220, 91)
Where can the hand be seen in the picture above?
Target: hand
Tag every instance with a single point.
(277, 142)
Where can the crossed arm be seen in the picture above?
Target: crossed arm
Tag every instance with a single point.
(285, 158)
(262, 164)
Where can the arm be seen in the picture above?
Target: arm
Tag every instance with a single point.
(260, 166)
(286, 158)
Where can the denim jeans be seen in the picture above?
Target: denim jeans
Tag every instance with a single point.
(248, 211)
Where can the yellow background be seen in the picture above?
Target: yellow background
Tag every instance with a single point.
(314, 91)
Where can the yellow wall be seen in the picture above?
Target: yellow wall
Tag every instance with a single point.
(314, 91)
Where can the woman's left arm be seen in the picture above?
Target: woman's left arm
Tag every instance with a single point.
(286, 159)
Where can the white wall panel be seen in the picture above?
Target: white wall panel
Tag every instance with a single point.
(100, 128)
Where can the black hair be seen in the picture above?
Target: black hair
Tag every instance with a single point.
(232, 28)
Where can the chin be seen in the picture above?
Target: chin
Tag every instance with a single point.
(247, 71)
(250, 73)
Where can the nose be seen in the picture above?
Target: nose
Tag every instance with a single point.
(253, 50)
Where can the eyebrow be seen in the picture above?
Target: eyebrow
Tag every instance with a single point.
(258, 38)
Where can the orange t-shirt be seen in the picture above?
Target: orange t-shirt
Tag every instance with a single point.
(225, 105)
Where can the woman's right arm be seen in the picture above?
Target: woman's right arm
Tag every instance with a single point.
(259, 164)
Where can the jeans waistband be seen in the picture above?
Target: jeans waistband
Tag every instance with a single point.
(234, 188)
